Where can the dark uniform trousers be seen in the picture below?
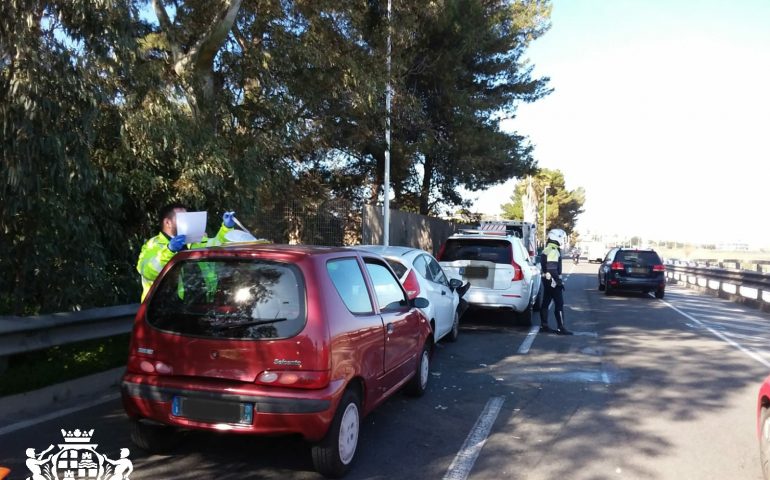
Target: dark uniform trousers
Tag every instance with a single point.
(557, 295)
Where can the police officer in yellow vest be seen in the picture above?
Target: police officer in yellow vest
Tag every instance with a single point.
(553, 285)
(157, 251)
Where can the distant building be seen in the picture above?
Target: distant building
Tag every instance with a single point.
(733, 247)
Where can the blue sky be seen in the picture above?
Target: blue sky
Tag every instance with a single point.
(661, 112)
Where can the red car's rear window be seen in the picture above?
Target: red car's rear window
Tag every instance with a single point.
(233, 299)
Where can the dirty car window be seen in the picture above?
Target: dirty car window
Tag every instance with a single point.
(240, 299)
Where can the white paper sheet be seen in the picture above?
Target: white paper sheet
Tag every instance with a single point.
(192, 224)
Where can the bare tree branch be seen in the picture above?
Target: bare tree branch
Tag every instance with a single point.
(204, 50)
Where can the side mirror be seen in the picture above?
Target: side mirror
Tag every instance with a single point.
(419, 302)
(455, 283)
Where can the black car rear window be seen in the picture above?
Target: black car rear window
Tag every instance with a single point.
(233, 299)
(490, 250)
(638, 258)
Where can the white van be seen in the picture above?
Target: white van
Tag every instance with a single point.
(593, 251)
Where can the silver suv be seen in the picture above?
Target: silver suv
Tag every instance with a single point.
(501, 272)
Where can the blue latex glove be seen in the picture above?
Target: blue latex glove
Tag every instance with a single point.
(177, 243)
(227, 219)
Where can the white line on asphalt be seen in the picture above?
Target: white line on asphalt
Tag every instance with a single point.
(527, 343)
(463, 463)
(59, 413)
(735, 344)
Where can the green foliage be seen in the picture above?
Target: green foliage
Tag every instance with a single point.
(33, 370)
(564, 206)
(110, 109)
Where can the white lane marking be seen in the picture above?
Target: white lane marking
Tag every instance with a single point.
(527, 343)
(59, 413)
(463, 463)
(716, 333)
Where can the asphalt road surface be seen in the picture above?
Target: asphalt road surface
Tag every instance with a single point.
(646, 389)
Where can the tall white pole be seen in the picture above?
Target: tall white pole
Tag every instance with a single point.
(386, 190)
(545, 212)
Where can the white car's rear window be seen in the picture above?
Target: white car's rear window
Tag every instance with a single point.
(489, 250)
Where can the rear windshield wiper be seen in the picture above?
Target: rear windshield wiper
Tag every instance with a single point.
(258, 321)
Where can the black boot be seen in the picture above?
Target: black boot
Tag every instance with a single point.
(561, 330)
(544, 328)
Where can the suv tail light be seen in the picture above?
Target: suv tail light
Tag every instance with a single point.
(441, 251)
(411, 285)
(517, 273)
(658, 268)
(617, 266)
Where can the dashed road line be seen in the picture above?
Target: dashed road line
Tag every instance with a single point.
(463, 463)
(527, 343)
(718, 334)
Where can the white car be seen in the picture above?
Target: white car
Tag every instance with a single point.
(421, 275)
(501, 272)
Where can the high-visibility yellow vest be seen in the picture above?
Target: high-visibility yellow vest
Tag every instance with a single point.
(155, 255)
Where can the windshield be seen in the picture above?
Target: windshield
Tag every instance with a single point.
(230, 299)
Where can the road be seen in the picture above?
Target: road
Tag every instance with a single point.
(646, 389)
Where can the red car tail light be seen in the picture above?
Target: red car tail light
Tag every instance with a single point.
(295, 379)
(617, 266)
(658, 268)
(517, 273)
(441, 251)
(411, 285)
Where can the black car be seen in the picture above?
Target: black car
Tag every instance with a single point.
(632, 269)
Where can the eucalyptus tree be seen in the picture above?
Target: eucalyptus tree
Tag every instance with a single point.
(564, 206)
(59, 61)
(465, 69)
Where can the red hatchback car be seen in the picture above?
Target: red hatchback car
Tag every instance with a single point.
(763, 426)
(273, 339)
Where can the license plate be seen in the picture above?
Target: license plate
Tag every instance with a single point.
(474, 272)
(637, 270)
(212, 411)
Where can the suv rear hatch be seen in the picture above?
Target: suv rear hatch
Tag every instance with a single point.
(484, 262)
(637, 263)
(230, 318)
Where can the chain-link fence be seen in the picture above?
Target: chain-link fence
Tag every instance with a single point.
(334, 223)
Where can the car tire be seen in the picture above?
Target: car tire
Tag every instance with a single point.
(601, 286)
(659, 293)
(764, 441)
(333, 456)
(454, 332)
(153, 438)
(419, 382)
(607, 289)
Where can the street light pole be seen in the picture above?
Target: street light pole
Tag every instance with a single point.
(545, 212)
(386, 190)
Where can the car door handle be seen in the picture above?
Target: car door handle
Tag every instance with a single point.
(443, 292)
(389, 328)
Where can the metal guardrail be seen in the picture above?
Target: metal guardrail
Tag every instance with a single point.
(743, 286)
(27, 334)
